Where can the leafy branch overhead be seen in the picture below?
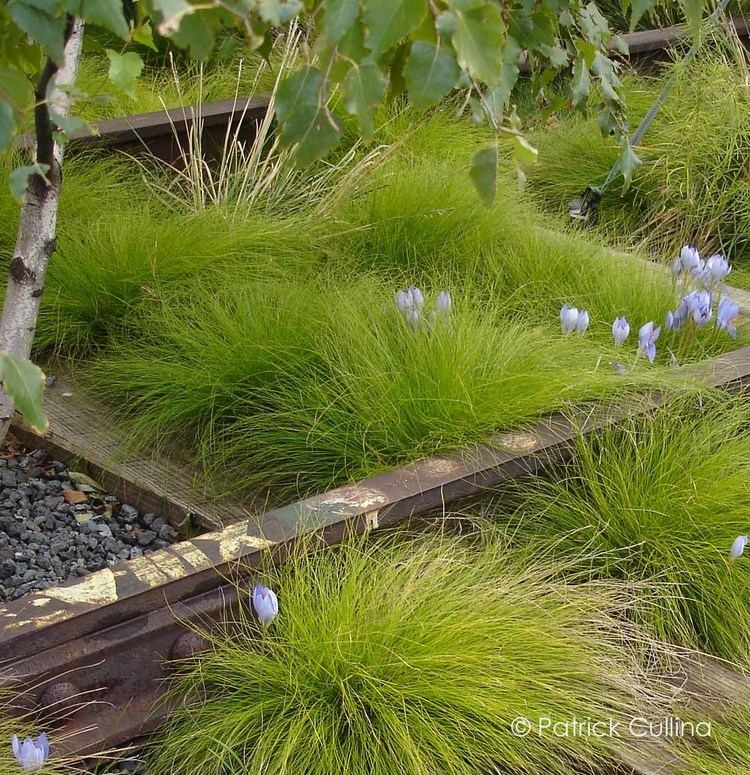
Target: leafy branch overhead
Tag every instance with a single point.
(363, 52)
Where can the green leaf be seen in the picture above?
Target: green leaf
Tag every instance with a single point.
(24, 383)
(67, 124)
(7, 125)
(581, 83)
(18, 180)
(338, 18)
(43, 22)
(124, 69)
(389, 21)
(15, 88)
(693, 14)
(484, 174)
(628, 164)
(445, 23)
(523, 151)
(170, 14)
(558, 57)
(303, 115)
(364, 87)
(478, 39)
(637, 9)
(144, 36)
(196, 34)
(278, 12)
(107, 14)
(430, 73)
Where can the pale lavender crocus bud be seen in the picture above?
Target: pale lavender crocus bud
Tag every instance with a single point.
(31, 755)
(568, 319)
(583, 321)
(620, 330)
(689, 258)
(726, 316)
(404, 300)
(738, 547)
(265, 603)
(677, 266)
(717, 268)
(444, 303)
(647, 336)
(417, 297)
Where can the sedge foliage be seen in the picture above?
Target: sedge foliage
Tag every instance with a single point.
(662, 500)
(406, 657)
(308, 384)
(693, 186)
(270, 345)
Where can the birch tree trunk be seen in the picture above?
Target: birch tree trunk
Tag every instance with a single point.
(35, 242)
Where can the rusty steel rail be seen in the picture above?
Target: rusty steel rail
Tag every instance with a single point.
(107, 637)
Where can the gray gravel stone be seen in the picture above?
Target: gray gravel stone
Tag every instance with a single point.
(42, 543)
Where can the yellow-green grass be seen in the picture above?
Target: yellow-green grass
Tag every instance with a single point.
(407, 656)
(661, 500)
(693, 186)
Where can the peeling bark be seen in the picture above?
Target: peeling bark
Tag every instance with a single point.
(35, 242)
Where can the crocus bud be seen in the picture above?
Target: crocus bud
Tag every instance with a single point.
(726, 316)
(265, 603)
(619, 368)
(620, 330)
(717, 268)
(738, 547)
(403, 300)
(583, 321)
(568, 319)
(417, 297)
(31, 755)
(689, 258)
(672, 321)
(647, 336)
(444, 303)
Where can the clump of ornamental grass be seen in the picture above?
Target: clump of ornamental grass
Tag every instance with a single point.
(301, 385)
(666, 498)
(259, 176)
(127, 256)
(693, 184)
(408, 656)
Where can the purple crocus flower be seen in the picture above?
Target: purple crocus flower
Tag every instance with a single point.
(672, 321)
(568, 318)
(698, 304)
(738, 547)
(417, 297)
(444, 303)
(690, 258)
(717, 268)
(726, 316)
(620, 330)
(404, 300)
(31, 755)
(265, 603)
(583, 321)
(647, 336)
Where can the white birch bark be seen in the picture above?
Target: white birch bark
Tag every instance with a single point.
(35, 242)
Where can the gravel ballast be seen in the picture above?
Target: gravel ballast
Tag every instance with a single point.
(57, 524)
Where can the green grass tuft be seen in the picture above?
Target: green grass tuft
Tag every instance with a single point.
(663, 500)
(405, 657)
(693, 186)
